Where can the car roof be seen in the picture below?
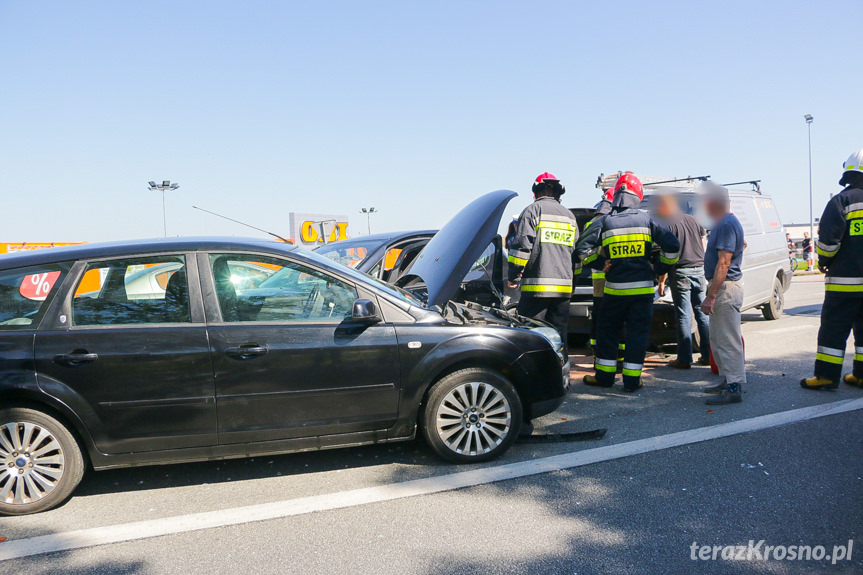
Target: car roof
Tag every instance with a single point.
(387, 237)
(137, 247)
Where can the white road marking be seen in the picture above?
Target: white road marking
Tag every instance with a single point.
(788, 329)
(279, 509)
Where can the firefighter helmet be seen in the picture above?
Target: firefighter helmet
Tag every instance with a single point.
(547, 180)
(628, 182)
(852, 169)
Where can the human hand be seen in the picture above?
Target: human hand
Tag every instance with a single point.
(707, 305)
(512, 285)
(661, 289)
(607, 266)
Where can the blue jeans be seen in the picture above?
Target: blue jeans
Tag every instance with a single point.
(688, 288)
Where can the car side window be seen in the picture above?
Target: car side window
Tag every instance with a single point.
(25, 293)
(133, 291)
(291, 292)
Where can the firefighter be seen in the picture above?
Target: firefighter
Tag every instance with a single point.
(625, 253)
(541, 255)
(585, 254)
(840, 243)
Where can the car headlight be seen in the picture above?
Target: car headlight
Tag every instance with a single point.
(553, 338)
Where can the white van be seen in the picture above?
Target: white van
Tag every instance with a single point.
(767, 267)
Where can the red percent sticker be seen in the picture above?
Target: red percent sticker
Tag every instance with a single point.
(38, 286)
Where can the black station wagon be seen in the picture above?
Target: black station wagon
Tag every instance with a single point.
(246, 347)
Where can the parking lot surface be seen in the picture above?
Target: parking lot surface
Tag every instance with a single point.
(784, 466)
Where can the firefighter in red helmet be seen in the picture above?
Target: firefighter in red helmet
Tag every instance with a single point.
(541, 255)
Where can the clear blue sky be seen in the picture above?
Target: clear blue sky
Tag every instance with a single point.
(262, 108)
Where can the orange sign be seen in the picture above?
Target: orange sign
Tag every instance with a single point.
(310, 234)
(12, 247)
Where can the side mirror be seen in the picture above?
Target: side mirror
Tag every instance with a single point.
(365, 311)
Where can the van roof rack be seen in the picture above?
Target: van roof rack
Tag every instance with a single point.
(686, 179)
(756, 184)
(605, 182)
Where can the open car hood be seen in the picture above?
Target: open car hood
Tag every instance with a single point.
(450, 254)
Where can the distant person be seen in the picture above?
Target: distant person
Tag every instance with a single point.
(686, 280)
(511, 232)
(840, 256)
(540, 256)
(807, 251)
(722, 268)
(792, 250)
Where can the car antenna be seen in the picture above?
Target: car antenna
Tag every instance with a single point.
(277, 236)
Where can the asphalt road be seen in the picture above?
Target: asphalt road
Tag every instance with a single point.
(634, 501)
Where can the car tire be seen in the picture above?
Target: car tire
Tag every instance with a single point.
(42, 463)
(471, 415)
(773, 308)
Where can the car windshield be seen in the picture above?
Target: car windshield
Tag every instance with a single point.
(350, 253)
(315, 256)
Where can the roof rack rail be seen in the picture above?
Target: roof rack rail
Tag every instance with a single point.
(756, 184)
(686, 179)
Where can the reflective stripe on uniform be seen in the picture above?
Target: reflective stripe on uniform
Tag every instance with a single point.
(830, 354)
(518, 258)
(556, 218)
(548, 289)
(826, 250)
(632, 369)
(858, 354)
(625, 232)
(544, 223)
(629, 288)
(592, 342)
(598, 275)
(621, 346)
(547, 281)
(590, 258)
(607, 365)
(669, 258)
(852, 211)
(626, 238)
(843, 284)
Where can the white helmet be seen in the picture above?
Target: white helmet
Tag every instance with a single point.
(854, 162)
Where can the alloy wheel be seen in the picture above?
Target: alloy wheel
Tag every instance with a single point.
(474, 418)
(32, 462)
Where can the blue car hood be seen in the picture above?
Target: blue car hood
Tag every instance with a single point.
(450, 254)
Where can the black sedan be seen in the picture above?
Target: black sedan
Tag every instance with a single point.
(310, 355)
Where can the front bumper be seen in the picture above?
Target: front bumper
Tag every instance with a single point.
(544, 407)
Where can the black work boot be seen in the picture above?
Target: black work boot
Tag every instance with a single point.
(716, 389)
(592, 381)
(632, 388)
(731, 394)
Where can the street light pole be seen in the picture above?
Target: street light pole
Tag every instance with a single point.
(368, 212)
(811, 256)
(164, 187)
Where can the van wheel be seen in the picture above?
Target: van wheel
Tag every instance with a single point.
(41, 462)
(471, 415)
(773, 308)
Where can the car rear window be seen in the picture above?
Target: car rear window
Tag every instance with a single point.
(143, 290)
(25, 294)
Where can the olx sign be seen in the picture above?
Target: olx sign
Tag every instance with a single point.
(314, 229)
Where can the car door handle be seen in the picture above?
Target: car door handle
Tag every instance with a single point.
(246, 351)
(75, 358)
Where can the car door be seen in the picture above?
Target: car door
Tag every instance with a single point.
(134, 362)
(288, 361)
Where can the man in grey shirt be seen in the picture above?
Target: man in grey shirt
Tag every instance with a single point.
(722, 268)
(686, 281)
